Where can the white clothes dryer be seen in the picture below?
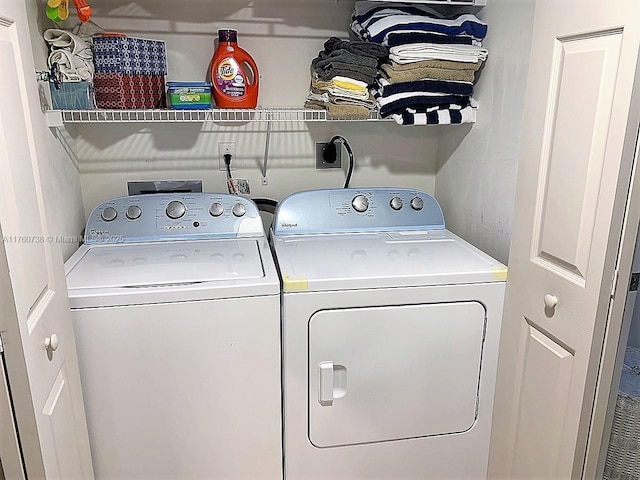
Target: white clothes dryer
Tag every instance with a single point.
(390, 338)
(176, 308)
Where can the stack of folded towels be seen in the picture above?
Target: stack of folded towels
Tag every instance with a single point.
(341, 75)
(433, 60)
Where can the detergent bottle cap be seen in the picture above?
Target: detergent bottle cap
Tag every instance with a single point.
(228, 35)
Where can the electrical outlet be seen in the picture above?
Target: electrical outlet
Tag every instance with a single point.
(321, 164)
(242, 186)
(223, 149)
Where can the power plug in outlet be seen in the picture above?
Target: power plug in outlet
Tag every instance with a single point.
(321, 163)
(223, 149)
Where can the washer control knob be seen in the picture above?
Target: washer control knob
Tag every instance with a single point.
(109, 214)
(360, 203)
(134, 212)
(175, 209)
(417, 203)
(396, 203)
(239, 209)
(216, 209)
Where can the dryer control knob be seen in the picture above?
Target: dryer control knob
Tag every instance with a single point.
(239, 210)
(396, 203)
(134, 212)
(417, 203)
(175, 209)
(360, 203)
(216, 209)
(109, 214)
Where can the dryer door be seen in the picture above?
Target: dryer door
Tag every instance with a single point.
(396, 372)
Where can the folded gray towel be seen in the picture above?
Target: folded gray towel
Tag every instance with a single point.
(367, 49)
(343, 56)
(357, 72)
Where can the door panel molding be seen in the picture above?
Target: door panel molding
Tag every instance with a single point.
(579, 106)
(544, 389)
(39, 308)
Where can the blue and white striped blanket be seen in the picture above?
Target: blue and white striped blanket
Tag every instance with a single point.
(374, 21)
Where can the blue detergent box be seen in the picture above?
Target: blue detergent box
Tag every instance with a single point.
(189, 95)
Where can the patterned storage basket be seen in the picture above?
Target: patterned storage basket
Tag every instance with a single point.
(129, 55)
(623, 456)
(129, 72)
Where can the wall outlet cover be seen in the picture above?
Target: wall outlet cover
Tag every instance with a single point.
(223, 148)
(321, 164)
(241, 185)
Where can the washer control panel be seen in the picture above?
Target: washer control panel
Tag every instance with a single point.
(183, 216)
(357, 210)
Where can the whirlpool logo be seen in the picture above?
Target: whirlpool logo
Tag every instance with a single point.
(288, 225)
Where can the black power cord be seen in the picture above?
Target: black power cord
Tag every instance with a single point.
(227, 161)
(329, 155)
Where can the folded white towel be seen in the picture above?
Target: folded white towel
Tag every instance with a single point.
(343, 92)
(62, 40)
(415, 52)
(348, 83)
(72, 67)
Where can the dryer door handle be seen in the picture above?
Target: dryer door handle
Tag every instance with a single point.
(325, 389)
(332, 382)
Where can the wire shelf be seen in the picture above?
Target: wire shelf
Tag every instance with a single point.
(59, 117)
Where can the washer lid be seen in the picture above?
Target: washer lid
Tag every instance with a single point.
(382, 259)
(165, 264)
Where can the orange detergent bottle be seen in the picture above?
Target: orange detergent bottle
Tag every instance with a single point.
(234, 74)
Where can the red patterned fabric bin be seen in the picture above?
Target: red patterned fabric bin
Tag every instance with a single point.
(119, 91)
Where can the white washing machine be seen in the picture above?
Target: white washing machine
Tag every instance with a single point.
(176, 309)
(390, 338)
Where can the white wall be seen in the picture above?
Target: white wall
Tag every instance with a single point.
(385, 155)
(476, 170)
(66, 206)
(283, 36)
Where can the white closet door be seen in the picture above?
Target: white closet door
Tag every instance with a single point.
(564, 240)
(37, 323)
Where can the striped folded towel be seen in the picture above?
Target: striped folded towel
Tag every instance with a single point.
(375, 23)
(418, 36)
(454, 113)
(393, 98)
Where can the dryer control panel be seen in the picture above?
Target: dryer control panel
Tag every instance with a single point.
(357, 210)
(183, 216)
